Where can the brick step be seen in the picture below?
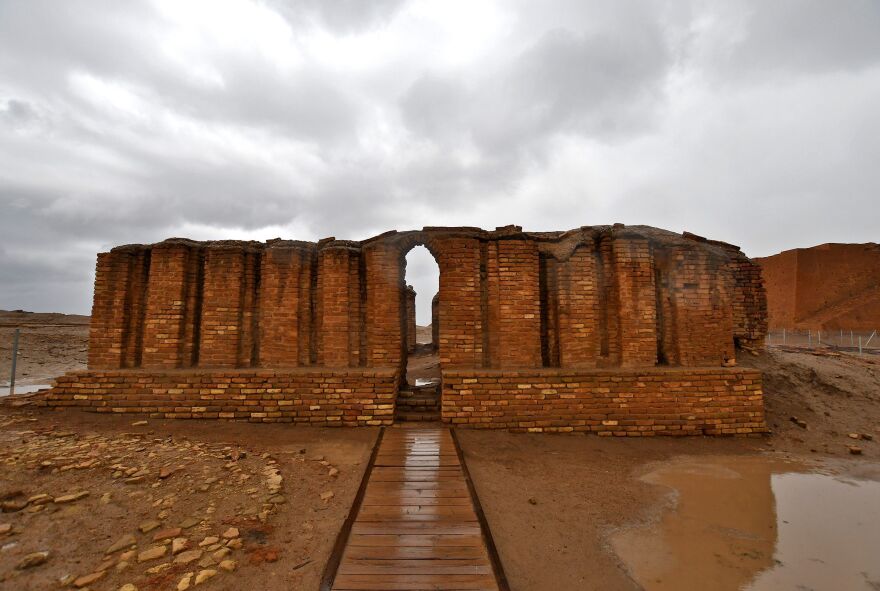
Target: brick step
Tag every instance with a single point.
(424, 406)
(417, 393)
(419, 397)
(410, 399)
(408, 416)
(418, 409)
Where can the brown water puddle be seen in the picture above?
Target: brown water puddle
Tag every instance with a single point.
(759, 523)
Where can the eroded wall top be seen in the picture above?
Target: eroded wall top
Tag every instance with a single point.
(596, 296)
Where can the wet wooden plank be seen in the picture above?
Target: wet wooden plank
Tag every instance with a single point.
(415, 540)
(416, 528)
(437, 566)
(413, 527)
(405, 550)
(411, 582)
(395, 500)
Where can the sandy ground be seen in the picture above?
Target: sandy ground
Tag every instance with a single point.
(554, 502)
(49, 345)
(423, 363)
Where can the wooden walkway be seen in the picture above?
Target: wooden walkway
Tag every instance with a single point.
(417, 526)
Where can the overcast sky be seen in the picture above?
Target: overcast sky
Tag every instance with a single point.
(755, 122)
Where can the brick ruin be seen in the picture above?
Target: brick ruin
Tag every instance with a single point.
(826, 287)
(410, 304)
(619, 330)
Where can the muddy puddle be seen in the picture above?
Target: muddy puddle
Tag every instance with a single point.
(759, 523)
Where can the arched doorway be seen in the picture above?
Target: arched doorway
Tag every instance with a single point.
(419, 391)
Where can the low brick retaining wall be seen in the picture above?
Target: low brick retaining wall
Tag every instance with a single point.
(644, 402)
(328, 397)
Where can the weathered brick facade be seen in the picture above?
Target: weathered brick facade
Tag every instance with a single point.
(435, 320)
(339, 397)
(826, 287)
(643, 402)
(410, 303)
(281, 320)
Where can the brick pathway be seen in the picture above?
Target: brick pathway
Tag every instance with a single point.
(417, 526)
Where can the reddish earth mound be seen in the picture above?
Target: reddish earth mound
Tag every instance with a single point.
(830, 286)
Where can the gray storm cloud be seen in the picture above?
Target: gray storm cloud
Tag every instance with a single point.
(752, 122)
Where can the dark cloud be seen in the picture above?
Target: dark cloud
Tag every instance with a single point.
(340, 16)
(126, 122)
(794, 36)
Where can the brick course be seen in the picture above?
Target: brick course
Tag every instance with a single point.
(318, 397)
(630, 403)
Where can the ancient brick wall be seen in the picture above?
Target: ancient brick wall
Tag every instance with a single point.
(750, 315)
(284, 305)
(831, 286)
(435, 320)
(635, 302)
(171, 272)
(410, 295)
(645, 402)
(116, 329)
(577, 311)
(343, 397)
(595, 297)
(226, 330)
(335, 302)
(514, 303)
(462, 306)
(601, 298)
(696, 316)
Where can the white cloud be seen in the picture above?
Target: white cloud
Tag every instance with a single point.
(754, 123)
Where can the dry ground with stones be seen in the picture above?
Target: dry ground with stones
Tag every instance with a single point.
(107, 503)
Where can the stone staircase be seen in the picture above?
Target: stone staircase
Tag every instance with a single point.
(418, 403)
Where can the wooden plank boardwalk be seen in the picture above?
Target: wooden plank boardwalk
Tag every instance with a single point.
(418, 525)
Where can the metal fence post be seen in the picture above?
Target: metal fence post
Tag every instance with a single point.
(809, 338)
(783, 336)
(14, 360)
(860, 344)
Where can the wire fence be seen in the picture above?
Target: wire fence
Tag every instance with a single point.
(853, 341)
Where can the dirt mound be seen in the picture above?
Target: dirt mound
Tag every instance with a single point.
(833, 394)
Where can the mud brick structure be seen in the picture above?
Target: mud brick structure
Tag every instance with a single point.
(435, 320)
(620, 330)
(409, 295)
(826, 287)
